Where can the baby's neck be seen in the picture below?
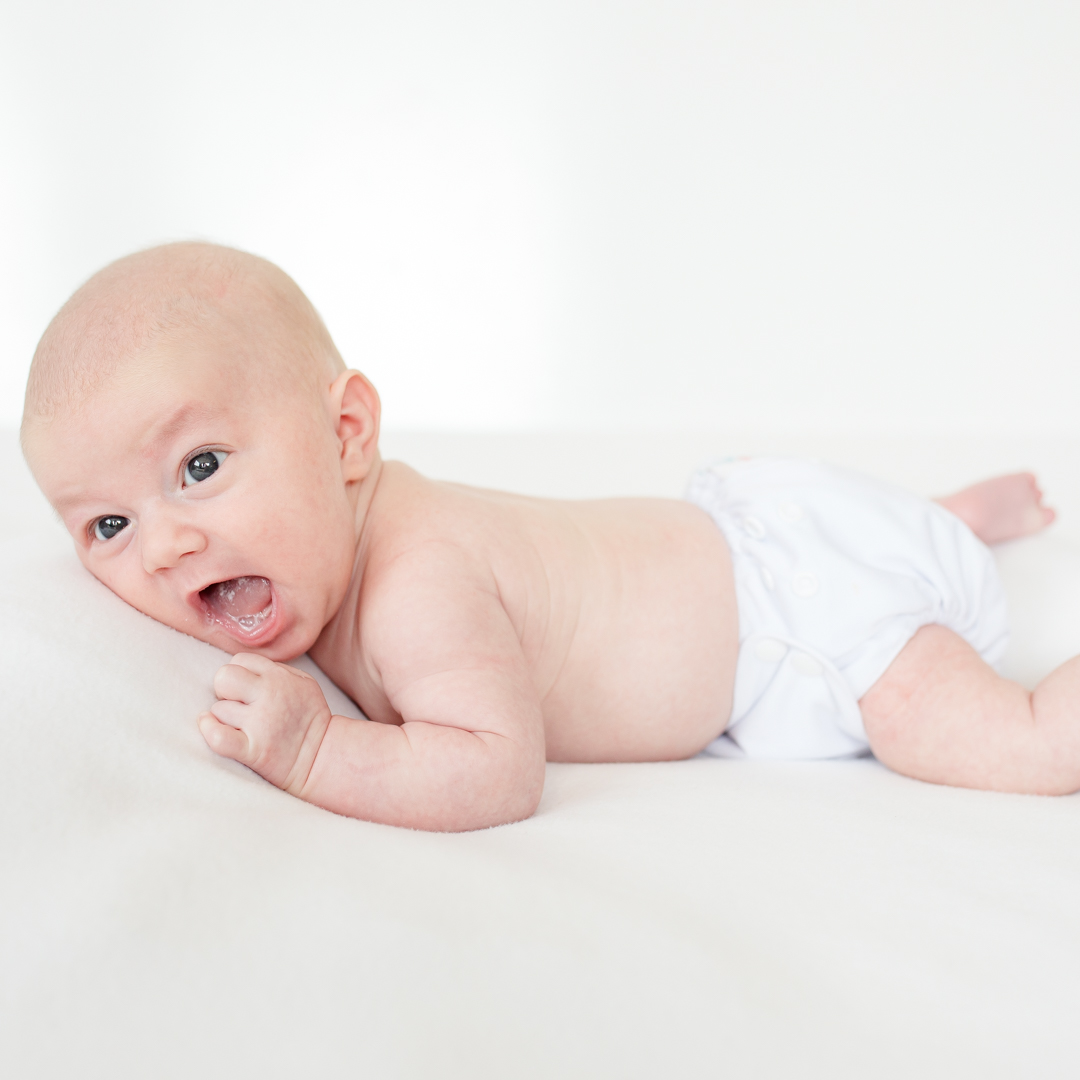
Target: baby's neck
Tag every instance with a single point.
(362, 493)
(338, 633)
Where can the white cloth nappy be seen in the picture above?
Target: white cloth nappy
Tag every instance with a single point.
(834, 574)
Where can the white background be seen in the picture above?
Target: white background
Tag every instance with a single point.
(830, 217)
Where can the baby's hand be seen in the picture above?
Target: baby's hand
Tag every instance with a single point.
(269, 717)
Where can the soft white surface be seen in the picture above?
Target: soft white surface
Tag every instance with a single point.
(166, 913)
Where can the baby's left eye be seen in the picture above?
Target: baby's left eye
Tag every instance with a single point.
(204, 464)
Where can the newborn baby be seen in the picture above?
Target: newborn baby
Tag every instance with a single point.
(218, 467)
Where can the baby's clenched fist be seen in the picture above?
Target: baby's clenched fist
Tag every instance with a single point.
(269, 717)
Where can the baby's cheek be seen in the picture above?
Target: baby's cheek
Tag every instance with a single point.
(159, 603)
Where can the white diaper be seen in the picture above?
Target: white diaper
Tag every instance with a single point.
(834, 573)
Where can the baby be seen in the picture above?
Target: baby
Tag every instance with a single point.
(218, 467)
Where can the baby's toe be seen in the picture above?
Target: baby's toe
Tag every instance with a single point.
(1035, 518)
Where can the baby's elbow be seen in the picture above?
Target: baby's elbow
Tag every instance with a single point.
(527, 784)
(513, 796)
(525, 797)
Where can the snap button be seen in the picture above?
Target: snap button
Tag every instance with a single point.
(766, 576)
(806, 665)
(753, 527)
(770, 651)
(791, 511)
(804, 583)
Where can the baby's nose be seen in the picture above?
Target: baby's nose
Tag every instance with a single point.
(166, 538)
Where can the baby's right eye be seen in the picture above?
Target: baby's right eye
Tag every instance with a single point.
(105, 528)
(202, 466)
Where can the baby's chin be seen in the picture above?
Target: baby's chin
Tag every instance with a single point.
(281, 648)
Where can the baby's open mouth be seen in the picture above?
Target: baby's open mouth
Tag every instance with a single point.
(247, 602)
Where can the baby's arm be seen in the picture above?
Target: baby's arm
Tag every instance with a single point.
(469, 752)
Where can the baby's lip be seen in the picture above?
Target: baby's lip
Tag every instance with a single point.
(244, 606)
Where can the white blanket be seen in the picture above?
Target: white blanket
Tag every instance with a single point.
(166, 913)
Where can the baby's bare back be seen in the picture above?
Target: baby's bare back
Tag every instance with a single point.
(624, 609)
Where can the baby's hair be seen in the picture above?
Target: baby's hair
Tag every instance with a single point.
(165, 292)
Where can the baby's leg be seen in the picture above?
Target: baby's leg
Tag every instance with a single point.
(1000, 509)
(940, 713)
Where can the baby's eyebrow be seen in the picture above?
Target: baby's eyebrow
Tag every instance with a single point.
(165, 430)
(159, 434)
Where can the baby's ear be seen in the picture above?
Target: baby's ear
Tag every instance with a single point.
(355, 409)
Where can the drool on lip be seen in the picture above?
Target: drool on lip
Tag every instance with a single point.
(244, 601)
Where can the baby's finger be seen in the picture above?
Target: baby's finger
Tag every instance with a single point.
(237, 683)
(253, 662)
(223, 739)
(232, 713)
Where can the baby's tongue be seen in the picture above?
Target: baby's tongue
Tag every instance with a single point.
(243, 600)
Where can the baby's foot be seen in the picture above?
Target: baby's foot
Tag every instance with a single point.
(1003, 508)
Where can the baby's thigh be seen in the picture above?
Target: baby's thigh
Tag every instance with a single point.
(940, 713)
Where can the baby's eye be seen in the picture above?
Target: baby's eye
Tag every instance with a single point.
(105, 528)
(204, 464)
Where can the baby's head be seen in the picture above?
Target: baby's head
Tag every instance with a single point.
(190, 419)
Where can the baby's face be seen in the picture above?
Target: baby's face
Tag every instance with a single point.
(207, 500)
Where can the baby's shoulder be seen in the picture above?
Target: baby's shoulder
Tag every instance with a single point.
(410, 513)
(427, 576)
(421, 536)
(423, 580)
